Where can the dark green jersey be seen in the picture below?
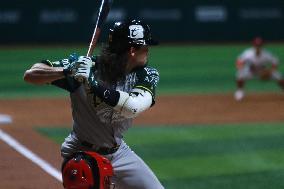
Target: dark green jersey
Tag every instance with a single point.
(147, 79)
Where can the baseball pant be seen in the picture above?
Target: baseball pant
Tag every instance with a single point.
(131, 172)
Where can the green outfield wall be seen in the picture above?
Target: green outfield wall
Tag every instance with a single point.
(51, 21)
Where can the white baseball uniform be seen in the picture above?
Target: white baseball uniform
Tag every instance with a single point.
(251, 60)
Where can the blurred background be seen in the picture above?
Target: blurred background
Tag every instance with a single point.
(204, 36)
(180, 21)
(197, 136)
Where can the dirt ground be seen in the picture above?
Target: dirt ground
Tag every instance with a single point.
(18, 172)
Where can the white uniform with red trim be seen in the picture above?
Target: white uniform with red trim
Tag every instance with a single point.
(253, 64)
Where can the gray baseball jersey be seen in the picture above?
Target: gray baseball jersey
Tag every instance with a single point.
(99, 124)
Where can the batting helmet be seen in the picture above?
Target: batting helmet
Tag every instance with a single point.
(87, 170)
(129, 33)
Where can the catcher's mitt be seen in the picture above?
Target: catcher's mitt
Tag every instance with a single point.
(265, 74)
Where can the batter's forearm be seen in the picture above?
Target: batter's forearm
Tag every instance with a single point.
(126, 104)
(43, 74)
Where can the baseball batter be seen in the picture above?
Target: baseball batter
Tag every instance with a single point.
(117, 89)
(256, 62)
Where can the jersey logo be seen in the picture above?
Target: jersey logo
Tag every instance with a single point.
(152, 76)
(153, 79)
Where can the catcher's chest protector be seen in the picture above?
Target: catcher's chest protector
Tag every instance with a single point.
(87, 170)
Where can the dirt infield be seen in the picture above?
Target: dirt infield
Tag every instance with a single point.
(19, 173)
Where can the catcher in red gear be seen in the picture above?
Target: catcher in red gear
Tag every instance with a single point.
(87, 170)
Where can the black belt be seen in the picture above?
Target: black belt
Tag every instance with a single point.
(101, 150)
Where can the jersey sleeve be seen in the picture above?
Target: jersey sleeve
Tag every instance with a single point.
(147, 79)
(67, 83)
(245, 55)
(271, 58)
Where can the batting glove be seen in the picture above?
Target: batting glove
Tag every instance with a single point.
(69, 69)
(84, 61)
(82, 74)
(73, 57)
(84, 65)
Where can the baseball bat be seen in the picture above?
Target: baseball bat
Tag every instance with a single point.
(101, 17)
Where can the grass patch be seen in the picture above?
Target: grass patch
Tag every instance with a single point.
(207, 156)
(185, 69)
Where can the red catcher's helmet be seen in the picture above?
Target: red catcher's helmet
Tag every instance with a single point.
(258, 41)
(87, 170)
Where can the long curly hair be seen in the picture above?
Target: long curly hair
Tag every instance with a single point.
(112, 66)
